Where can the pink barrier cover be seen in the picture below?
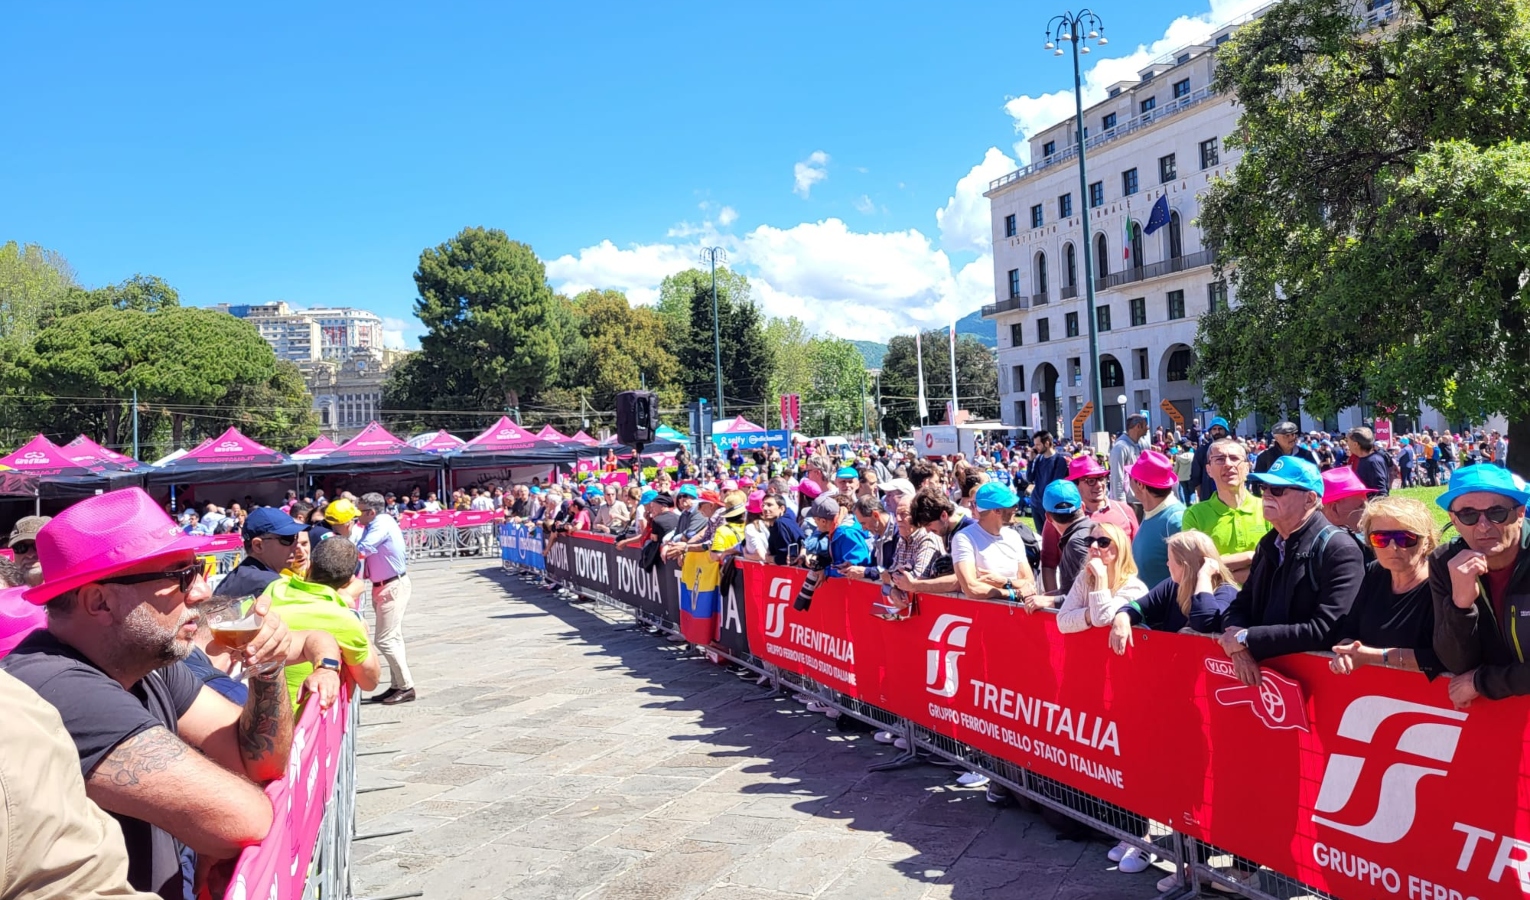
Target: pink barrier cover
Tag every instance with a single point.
(277, 867)
(225, 543)
(426, 520)
(469, 518)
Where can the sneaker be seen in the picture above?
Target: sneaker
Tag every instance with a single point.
(1118, 851)
(901, 743)
(1168, 883)
(998, 795)
(972, 779)
(833, 714)
(1135, 860)
(884, 737)
(815, 707)
(762, 680)
(804, 699)
(1237, 876)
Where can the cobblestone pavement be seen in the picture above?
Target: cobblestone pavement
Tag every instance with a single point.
(554, 753)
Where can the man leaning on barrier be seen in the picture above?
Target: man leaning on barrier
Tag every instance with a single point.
(989, 558)
(1480, 582)
(122, 586)
(1303, 579)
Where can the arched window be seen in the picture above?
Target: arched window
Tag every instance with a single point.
(1041, 273)
(1179, 365)
(1070, 268)
(1137, 259)
(1111, 374)
(1101, 256)
(1176, 239)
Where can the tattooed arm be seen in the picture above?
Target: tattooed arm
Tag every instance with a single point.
(253, 740)
(156, 777)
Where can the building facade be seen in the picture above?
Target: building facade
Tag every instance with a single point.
(308, 335)
(347, 393)
(1159, 138)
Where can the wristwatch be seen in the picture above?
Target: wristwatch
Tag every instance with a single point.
(331, 664)
(1241, 637)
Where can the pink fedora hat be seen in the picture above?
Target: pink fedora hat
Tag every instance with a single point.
(1085, 466)
(1154, 470)
(1340, 483)
(102, 536)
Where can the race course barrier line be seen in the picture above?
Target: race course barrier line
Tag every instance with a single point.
(1358, 786)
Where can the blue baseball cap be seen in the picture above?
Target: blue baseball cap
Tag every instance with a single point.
(1292, 471)
(1061, 497)
(688, 490)
(847, 472)
(270, 520)
(535, 489)
(648, 496)
(1483, 478)
(1218, 421)
(994, 495)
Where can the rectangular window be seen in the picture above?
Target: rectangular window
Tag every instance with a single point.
(1221, 39)
(1140, 358)
(1097, 194)
(1176, 304)
(1181, 60)
(1139, 311)
(1075, 371)
(1016, 335)
(1147, 106)
(1049, 149)
(1216, 296)
(1129, 182)
(1181, 89)
(1036, 216)
(1009, 225)
(1209, 155)
(1167, 170)
(1102, 318)
(1043, 330)
(1021, 411)
(1070, 324)
(1115, 91)
(1017, 379)
(1109, 121)
(1065, 206)
(1014, 284)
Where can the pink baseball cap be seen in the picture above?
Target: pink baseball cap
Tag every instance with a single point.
(1085, 466)
(1341, 483)
(809, 488)
(103, 535)
(1154, 470)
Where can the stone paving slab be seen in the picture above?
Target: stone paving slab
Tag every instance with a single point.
(557, 753)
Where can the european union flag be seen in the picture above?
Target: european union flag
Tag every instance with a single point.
(1160, 216)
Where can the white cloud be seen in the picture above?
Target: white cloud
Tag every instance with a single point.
(965, 221)
(864, 205)
(1035, 112)
(809, 172)
(636, 270)
(401, 334)
(727, 216)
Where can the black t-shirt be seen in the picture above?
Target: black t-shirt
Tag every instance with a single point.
(1380, 618)
(1374, 472)
(521, 509)
(662, 524)
(99, 715)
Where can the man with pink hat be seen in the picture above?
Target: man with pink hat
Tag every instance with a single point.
(1344, 499)
(1153, 482)
(122, 586)
(1093, 483)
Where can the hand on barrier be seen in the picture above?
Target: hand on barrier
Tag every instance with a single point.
(1463, 689)
(323, 684)
(1120, 633)
(1351, 656)
(1247, 668)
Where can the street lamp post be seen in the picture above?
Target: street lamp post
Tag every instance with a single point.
(865, 426)
(1121, 399)
(1077, 29)
(715, 255)
(877, 374)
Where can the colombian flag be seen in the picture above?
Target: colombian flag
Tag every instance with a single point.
(698, 597)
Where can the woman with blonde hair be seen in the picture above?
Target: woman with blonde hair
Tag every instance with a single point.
(1107, 582)
(1392, 620)
(1194, 596)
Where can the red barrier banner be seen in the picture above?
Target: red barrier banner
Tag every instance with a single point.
(1367, 785)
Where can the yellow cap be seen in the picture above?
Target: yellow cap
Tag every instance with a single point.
(338, 512)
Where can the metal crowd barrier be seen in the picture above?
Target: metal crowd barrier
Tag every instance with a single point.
(1199, 865)
(449, 535)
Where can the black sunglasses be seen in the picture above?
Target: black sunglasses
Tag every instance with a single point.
(23, 547)
(1495, 514)
(286, 540)
(1279, 490)
(186, 577)
(1100, 541)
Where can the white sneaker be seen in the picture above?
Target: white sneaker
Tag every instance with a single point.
(762, 680)
(901, 743)
(972, 779)
(1118, 851)
(815, 707)
(833, 714)
(804, 699)
(884, 737)
(1168, 883)
(1135, 860)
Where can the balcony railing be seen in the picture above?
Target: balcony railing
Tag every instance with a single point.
(1155, 270)
(1039, 299)
(1003, 306)
(1068, 292)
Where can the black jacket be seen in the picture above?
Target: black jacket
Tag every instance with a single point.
(1296, 605)
(1267, 459)
(1467, 639)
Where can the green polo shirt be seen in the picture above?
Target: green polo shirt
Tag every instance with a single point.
(306, 606)
(1232, 530)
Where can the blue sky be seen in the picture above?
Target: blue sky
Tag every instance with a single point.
(309, 152)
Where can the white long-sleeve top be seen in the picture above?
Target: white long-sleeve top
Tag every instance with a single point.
(1071, 615)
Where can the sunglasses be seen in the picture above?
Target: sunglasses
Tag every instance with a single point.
(185, 577)
(1279, 490)
(22, 548)
(1495, 514)
(1100, 541)
(286, 540)
(1094, 480)
(1400, 539)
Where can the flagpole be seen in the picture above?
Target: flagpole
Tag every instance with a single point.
(924, 408)
(955, 404)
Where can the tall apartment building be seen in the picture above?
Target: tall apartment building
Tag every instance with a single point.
(1161, 136)
(347, 330)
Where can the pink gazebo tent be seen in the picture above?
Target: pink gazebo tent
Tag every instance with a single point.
(582, 438)
(321, 446)
(45, 470)
(83, 447)
(549, 433)
(737, 425)
(440, 442)
(229, 458)
(375, 449)
(503, 435)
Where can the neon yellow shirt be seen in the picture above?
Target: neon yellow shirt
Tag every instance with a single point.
(306, 606)
(1232, 530)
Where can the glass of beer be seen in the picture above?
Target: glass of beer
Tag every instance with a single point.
(234, 623)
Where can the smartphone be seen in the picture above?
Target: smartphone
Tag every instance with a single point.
(792, 550)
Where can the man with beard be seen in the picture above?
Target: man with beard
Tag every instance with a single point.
(23, 545)
(174, 762)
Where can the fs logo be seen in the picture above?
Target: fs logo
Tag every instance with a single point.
(780, 594)
(949, 632)
(1398, 801)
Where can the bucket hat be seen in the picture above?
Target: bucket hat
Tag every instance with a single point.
(102, 536)
(1292, 471)
(1482, 479)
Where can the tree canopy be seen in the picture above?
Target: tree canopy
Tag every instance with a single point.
(976, 376)
(1377, 226)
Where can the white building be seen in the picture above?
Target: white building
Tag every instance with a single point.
(1163, 136)
(308, 335)
(347, 330)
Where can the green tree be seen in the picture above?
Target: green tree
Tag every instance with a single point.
(489, 314)
(747, 366)
(791, 350)
(678, 291)
(976, 376)
(1377, 226)
(832, 401)
(623, 349)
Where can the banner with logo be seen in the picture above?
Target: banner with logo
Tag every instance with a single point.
(520, 545)
(749, 441)
(594, 563)
(1367, 785)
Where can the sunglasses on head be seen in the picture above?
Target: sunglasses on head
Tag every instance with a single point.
(1279, 490)
(1495, 514)
(186, 577)
(1401, 539)
(1100, 541)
